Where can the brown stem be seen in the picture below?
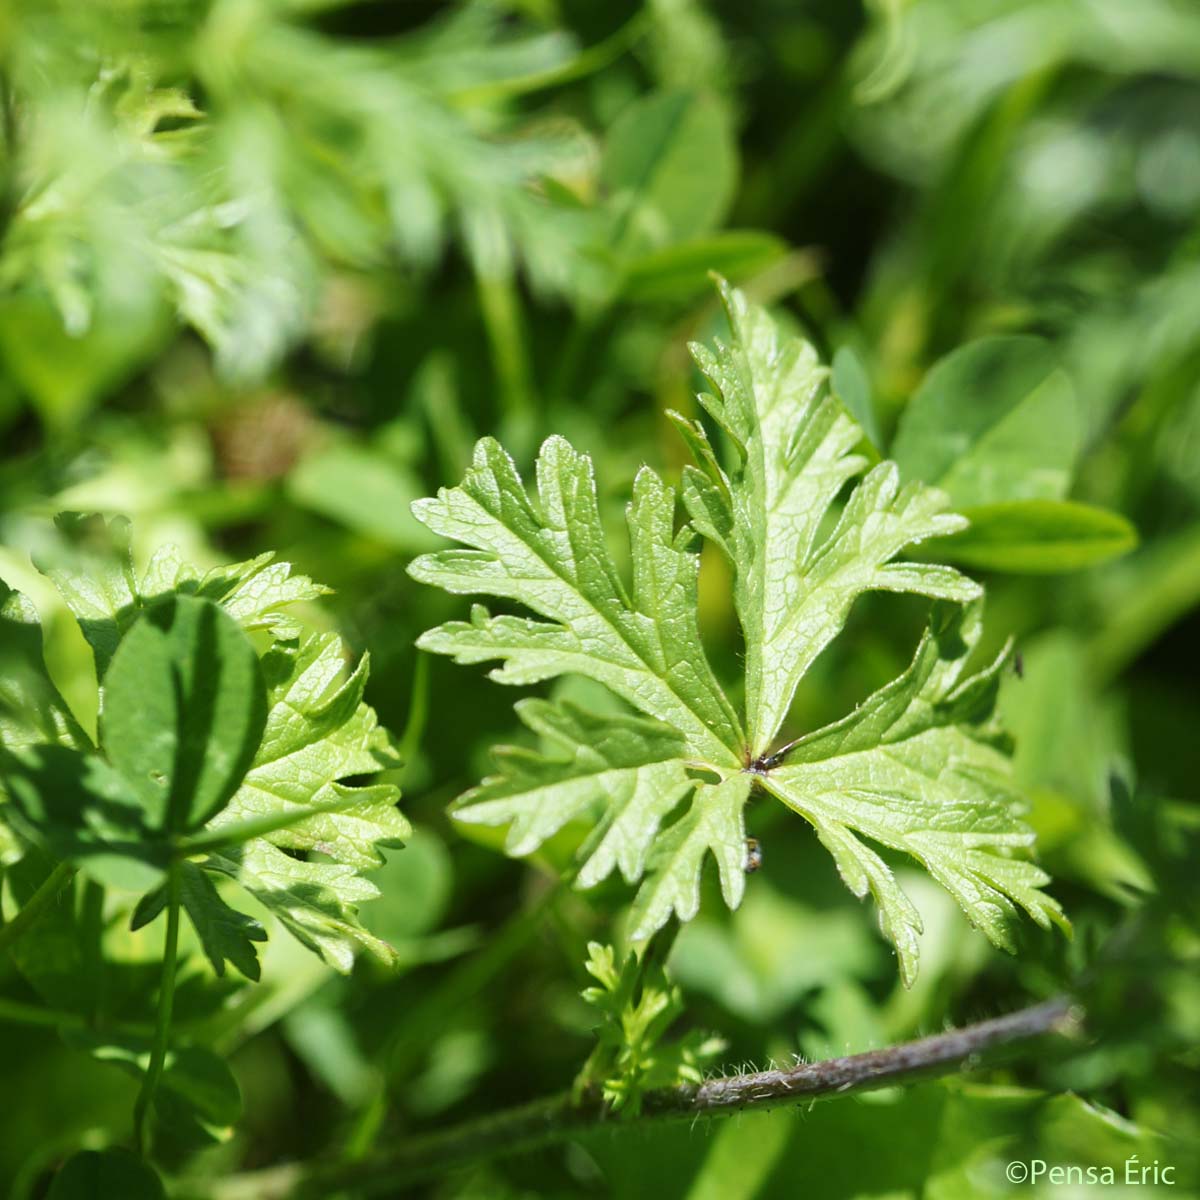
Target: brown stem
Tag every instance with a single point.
(559, 1118)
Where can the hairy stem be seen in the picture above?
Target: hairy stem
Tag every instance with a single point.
(559, 1118)
(33, 908)
(166, 1000)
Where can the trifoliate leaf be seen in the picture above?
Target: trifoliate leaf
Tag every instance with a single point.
(795, 578)
(920, 767)
(552, 556)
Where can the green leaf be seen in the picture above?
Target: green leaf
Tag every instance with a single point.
(83, 810)
(226, 934)
(994, 421)
(643, 643)
(255, 593)
(627, 770)
(318, 732)
(104, 1174)
(284, 735)
(31, 709)
(638, 1005)
(713, 823)
(98, 583)
(64, 371)
(795, 578)
(363, 491)
(625, 775)
(183, 711)
(198, 1099)
(1038, 537)
(852, 386)
(680, 272)
(315, 902)
(921, 767)
(670, 168)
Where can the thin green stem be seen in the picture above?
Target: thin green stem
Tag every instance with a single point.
(166, 1000)
(33, 908)
(501, 309)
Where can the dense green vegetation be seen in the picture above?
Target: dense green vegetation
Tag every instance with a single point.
(850, 605)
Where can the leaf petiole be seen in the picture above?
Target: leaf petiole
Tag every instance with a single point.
(45, 895)
(166, 1000)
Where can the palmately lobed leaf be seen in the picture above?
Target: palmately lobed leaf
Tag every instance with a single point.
(316, 902)
(626, 776)
(627, 769)
(919, 768)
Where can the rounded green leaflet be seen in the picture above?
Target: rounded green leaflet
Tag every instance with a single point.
(995, 421)
(183, 710)
(105, 1175)
(1038, 537)
(670, 167)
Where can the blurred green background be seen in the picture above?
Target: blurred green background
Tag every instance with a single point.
(269, 267)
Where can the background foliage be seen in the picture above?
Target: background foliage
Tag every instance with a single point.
(268, 269)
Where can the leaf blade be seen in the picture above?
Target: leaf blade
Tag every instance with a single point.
(554, 560)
